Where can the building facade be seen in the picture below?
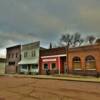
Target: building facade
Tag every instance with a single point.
(2, 65)
(53, 60)
(84, 60)
(29, 58)
(12, 59)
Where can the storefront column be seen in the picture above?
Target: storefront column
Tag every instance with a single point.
(59, 65)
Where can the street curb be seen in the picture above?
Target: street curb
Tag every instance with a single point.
(67, 79)
(56, 78)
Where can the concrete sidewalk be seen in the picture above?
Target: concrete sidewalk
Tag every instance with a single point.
(56, 77)
(69, 78)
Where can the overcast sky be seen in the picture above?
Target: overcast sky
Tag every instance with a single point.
(24, 21)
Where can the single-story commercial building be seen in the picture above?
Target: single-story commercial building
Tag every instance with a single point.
(54, 60)
(84, 60)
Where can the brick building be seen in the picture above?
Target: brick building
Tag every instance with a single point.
(12, 59)
(53, 59)
(84, 60)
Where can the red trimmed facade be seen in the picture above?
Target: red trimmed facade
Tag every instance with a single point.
(84, 60)
(52, 59)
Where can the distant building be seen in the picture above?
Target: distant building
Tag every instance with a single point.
(84, 60)
(2, 65)
(30, 58)
(12, 59)
(54, 60)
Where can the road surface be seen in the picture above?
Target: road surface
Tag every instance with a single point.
(13, 88)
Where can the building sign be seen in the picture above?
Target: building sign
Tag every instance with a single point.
(45, 60)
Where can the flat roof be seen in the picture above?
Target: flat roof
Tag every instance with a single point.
(53, 51)
(13, 47)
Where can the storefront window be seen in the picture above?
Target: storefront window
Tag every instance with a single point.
(24, 66)
(76, 63)
(53, 66)
(90, 62)
(35, 66)
(45, 66)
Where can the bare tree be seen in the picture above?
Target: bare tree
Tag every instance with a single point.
(76, 38)
(98, 41)
(81, 41)
(71, 40)
(67, 39)
(91, 39)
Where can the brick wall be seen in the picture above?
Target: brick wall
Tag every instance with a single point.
(12, 52)
(83, 52)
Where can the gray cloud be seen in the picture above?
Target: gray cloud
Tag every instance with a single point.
(45, 20)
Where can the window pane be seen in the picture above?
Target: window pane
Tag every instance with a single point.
(8, 55)
(25, 54)
(35, 66)
(16, 55)
(90, 62)
(53, 65)
(33, 53)
(12, 55)
(11, 63)
(24, 66)
(45, 66)
(90, 65)
(76, 63)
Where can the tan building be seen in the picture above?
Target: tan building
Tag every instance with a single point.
(2, 65)
(84, 60)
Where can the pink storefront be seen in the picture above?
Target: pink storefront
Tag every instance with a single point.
(53, 60)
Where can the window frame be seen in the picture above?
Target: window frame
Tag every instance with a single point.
(44, 66)
(76, 60)
(51, 67)
(25, 54)
(88, 60)
(33, 53)
(24, 66)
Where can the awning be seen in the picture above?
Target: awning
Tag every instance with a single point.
(27, 61)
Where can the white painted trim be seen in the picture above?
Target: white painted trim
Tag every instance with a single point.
(43, 66)
(78, 69)
(63, 55)
(90, 69)
(45, 60)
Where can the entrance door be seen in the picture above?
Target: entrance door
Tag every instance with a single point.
(65, 67)
(29, 69)
(46, 67)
